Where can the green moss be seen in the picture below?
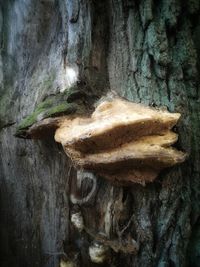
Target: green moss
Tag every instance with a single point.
(61, 109)
(55, 105)
(31, 119)
(45, 105)
(44, 111)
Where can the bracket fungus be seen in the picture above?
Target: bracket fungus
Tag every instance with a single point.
(120, 140)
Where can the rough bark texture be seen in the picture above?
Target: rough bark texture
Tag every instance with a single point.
(148, 51)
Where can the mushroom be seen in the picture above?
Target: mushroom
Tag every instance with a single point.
(121, 140)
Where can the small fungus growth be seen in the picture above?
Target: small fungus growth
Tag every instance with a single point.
(98, 252)
(77, 221)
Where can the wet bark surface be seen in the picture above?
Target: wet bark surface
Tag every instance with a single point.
(148, 52)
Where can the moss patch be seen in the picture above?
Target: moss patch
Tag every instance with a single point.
(54, 105)
(42, 112)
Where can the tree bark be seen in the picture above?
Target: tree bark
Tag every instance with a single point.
(147, 51)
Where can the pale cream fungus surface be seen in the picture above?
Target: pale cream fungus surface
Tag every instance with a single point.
(122, 141)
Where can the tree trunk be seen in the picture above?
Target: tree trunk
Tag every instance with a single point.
(148, 51)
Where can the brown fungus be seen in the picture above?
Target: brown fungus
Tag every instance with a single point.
(121, 141)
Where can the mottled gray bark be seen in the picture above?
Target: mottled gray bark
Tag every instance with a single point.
(147, 51)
